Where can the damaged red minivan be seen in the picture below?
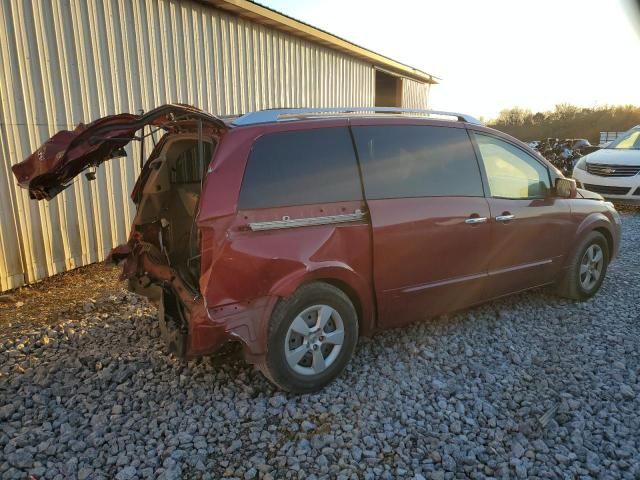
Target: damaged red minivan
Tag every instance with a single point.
(295, 231)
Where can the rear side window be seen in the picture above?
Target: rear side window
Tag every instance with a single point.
(301, 167)
(417, 161)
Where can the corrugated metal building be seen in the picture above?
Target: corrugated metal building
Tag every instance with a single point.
(67, 61)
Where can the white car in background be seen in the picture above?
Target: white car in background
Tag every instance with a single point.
(613, 171)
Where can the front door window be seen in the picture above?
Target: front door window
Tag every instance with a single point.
(512, 173)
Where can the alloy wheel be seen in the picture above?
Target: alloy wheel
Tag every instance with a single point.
(591, 266)
(314, 340)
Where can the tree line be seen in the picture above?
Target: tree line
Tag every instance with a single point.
(566, 121)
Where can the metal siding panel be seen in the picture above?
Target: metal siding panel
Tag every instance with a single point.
(103, 89)
(122, 167)
(92, 108)
(414, 94)
(11, 270)
(82, 244)
(66, 61)
(56, 240)
(219, 63)
(20, 120)
(119, 185)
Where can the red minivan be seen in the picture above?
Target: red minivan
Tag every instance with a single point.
(295, 231)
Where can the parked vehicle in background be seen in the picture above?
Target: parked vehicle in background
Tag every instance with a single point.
(613, 171)
(294, 232)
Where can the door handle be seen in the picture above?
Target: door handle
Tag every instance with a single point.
(475, 220)
(505, 218)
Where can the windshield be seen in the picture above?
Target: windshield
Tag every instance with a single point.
(630, 140)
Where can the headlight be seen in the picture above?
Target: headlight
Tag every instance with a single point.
(581, 164)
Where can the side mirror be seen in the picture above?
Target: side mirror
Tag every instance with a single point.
(566, 188)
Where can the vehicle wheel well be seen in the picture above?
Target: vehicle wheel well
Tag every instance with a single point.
(608, 237)
(349, 292)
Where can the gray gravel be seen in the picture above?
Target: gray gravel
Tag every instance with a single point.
(532, 386)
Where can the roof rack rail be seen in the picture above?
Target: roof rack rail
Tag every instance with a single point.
(288, 114)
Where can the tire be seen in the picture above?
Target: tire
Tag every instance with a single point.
(573, 283)
(292, 361)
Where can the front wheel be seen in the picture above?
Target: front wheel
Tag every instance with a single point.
(312, 336)
(587, 268)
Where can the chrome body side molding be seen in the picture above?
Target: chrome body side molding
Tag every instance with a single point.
(307, 221)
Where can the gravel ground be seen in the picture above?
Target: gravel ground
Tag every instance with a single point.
(27, 307)
(531, 386)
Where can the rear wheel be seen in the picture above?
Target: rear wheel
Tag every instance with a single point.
(587, 268)
(312, 336)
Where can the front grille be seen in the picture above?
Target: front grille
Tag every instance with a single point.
(605, 190)
(612, 170)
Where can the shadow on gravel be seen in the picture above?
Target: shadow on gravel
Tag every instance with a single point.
(57, 298)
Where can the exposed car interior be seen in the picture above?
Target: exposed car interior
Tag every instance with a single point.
(170, 200)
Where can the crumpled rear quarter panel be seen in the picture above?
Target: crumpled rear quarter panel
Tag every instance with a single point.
(250, 266)
(245, 272)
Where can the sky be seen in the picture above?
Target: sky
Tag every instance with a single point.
(496, 54)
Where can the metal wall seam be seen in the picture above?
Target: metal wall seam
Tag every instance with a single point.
(65, 61)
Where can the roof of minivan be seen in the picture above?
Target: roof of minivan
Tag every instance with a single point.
(274, 19)
(279, 115)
